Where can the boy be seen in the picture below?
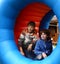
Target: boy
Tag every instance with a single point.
(27, 40)
(43, 46)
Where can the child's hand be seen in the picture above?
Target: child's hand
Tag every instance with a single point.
(44, 55)
(22, 53)
(29, 47)
(39, 56)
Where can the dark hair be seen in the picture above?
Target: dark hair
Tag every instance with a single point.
(31, 23)
(47, 32)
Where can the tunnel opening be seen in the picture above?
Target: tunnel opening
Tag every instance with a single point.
(36, 12)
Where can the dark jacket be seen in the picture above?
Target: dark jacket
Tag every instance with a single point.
(42, 46)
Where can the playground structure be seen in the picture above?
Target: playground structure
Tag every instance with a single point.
(10, 9)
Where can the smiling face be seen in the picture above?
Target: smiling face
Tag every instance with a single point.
(43, 36)
(31, 26)
(31, 29)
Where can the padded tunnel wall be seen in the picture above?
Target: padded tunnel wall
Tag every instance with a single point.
(45, 22)
(9, 10)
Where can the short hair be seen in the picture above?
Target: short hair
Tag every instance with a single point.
(47, 32)
(31, 23)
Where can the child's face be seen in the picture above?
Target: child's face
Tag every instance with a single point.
(30, 29)
(43, 36)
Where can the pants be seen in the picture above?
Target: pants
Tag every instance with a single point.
(30, 54)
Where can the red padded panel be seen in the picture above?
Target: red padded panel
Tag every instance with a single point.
(34, 12)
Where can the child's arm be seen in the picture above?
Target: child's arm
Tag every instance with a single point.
(30, 47)
(48, 52)
(21, 50)
(20, 41)
(37, 49)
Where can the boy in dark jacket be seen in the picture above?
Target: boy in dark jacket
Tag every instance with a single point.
(43, 46)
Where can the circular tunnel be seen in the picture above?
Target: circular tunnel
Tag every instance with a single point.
(10, 10)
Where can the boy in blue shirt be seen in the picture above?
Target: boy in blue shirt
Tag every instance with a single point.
(43, 46)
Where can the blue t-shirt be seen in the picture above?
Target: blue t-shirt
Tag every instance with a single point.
(42, 46)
